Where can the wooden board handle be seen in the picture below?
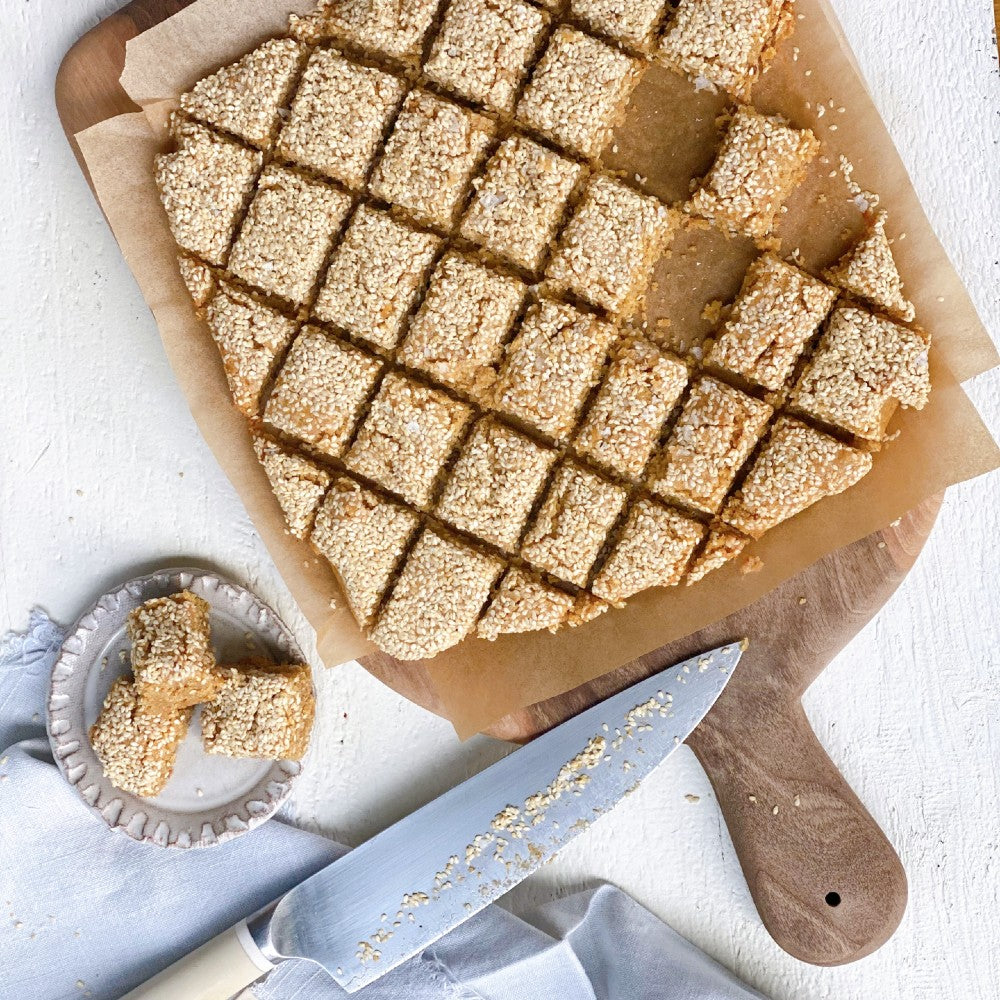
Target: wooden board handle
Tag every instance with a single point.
(825, 880)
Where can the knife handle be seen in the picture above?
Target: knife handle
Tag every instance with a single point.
(825, 880)
(218, 970)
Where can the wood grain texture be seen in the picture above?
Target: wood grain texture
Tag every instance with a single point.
(714, 756)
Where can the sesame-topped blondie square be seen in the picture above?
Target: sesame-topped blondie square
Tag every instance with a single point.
(458, 334)
(496, 479)
(482, 51)
(631, 22)
(363, 536)
(864, 368)
(760, 162)
(578, 91)
(407, 437)
(729, 43)
(250, 337)
(778, 310)
(319, 392)
(375, 277)
(437, 598)
(246, 98)
(523, 603)
(136, 742)
(297, 482)
(579, 510)
(264, 710)
(797, 466)
(652, 550)
(519, 201)
(395, 29)
(339, 116)
(204, 186)
(288, 233)
(714, 435)
(551, 365)
(432, 153)
(639, 391)
(172, 656)
(607, 251)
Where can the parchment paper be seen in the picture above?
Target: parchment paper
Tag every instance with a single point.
(668, 137)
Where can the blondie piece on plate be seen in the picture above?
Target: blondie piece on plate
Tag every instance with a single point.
(639, 391)
(523, 603)
(519, 201)
(407, 437)
(483, 49)
(437, 599)
(375, 277)
(298, 484)
(494, 484)
(288, 233)
(339, 117)
(729, 43)
(868, 270)
(652, 550)
(631, 22)
(722, 545)
(172, 656)
(204, 186)
(320, 391)
(551, 365)
(263, 710)
(363, 536)
(579, 510)
(458, 335)
(135, 741)
(432, 153)
(778, 310)
(578, 91)
(608, 249)
(761, 161)
(713, 437)
(797, 466)
(250, 337)
(864, 368)
(246, 98)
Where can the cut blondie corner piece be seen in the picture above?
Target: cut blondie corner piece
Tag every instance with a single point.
(523, 603)
(137, 742)
(437, 599)
(363, 537)
(204, 186)
(723, 544)
(728, 43)
(797, 466)
(199, 281)
(868, 271)
(246, 97)
(250, 337)
(172, 656)
(298, 484)
(761, 161)
(262, 711)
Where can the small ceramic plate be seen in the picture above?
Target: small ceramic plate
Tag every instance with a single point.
(209, 798)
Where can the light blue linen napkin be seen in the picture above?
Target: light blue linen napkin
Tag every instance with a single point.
(91, 913)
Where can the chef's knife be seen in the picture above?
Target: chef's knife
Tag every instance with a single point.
(390, 898)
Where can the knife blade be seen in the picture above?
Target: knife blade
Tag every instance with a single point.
(390, 898)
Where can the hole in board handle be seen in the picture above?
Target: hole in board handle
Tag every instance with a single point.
(833, 899)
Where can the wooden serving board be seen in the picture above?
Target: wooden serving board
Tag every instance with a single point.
(825, 880)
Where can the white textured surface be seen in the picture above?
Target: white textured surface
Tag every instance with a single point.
(103, 475)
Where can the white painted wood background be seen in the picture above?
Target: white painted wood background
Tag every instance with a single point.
(103, 474)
